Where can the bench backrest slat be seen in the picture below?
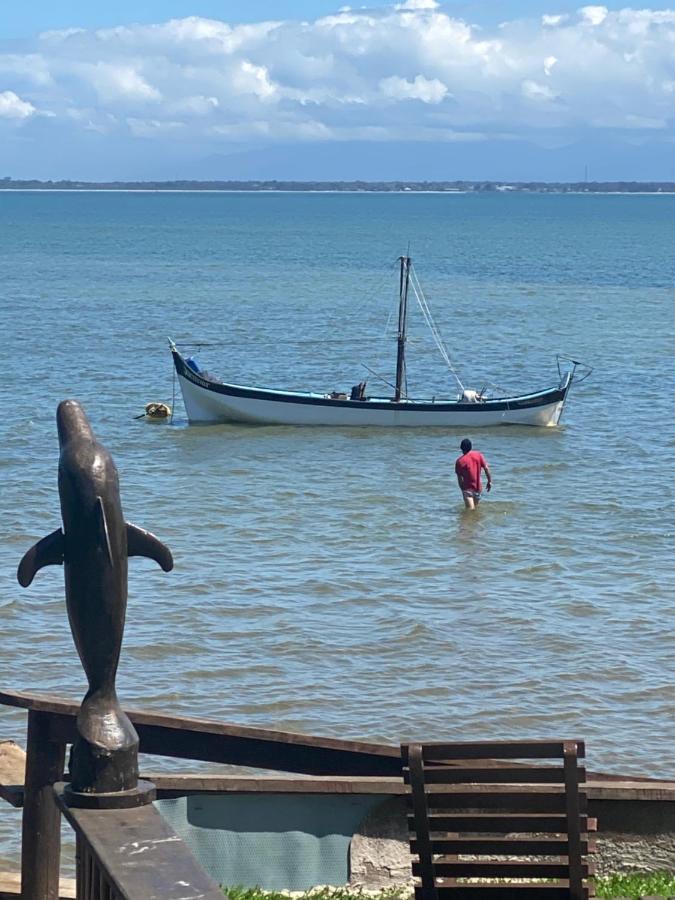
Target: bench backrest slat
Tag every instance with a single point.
(484, 811)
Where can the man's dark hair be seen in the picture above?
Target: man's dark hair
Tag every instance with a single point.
(465, 446)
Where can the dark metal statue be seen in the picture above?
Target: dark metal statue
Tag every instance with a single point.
(93, 547)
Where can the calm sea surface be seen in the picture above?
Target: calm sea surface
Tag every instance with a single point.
(329, 580)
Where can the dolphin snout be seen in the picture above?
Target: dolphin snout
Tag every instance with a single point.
(72, 422)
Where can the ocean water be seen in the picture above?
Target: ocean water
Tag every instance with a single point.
(328, 580)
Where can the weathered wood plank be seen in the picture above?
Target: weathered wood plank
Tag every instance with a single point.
(483, 773)
(181, 784)
(451, 867)
(492, 845)
(140, 854)
(209, 741)
(10, 887)
(499, 823)
(497, 750)
(171, 785)
(513, 801)
(41, 823)
(551, 891)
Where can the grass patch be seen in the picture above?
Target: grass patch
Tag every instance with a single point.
(633, 885)
(636, 885)
(323, 893)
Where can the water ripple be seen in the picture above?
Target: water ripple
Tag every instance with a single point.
(330, 581)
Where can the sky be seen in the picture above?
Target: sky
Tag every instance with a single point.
(319, 90)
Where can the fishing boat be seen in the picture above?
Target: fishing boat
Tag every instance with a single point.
(209, 400)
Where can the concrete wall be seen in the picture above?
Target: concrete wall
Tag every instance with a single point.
(632, 835)
(355, 832)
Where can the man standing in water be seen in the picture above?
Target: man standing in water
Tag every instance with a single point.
(468, 469)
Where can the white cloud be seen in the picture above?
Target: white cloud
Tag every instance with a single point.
(549, 62)
(59, 35)
(30, 67)
(551, 21)
(120, 82)
(252, 79)
(152, 128)
(195, 106)
(352, 73)
(13, 107)
(418, 4)
(535, 91)
(594, 15)
(633, 121)
(428, 90)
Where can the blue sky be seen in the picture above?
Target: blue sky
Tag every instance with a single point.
(404, 89)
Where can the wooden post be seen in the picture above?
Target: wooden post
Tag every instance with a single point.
(422, 828)
(573, 809)
(41, 825)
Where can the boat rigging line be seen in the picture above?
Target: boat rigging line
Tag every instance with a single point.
(433, 328)
(378, 376)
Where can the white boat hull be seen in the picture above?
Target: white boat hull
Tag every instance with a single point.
(208, 401)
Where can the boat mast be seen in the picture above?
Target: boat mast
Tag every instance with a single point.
(402, 320)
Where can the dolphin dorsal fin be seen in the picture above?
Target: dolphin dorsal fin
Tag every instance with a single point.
(142, 543)
(102, 523)
(47, 552)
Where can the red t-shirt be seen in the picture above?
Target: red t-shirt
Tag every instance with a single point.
(468, 469)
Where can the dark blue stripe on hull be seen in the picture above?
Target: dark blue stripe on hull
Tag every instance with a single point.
(530, 401)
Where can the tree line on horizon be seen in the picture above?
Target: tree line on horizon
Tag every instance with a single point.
(605, 187)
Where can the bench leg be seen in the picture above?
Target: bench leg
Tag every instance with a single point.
(41, 826)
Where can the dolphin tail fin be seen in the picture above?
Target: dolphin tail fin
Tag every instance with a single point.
(47, 552)
(143, 543)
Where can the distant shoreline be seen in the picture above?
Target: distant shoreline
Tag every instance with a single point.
(310, 191)
(338, 187)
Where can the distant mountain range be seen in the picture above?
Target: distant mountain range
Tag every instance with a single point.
(593, 187)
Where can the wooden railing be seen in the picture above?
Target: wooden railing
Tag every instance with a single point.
(52, 726)
(133, 854)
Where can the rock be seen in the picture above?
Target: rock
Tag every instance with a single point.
(12, 772)
(379, 853)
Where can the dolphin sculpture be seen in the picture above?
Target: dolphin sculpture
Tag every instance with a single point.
(93, 547)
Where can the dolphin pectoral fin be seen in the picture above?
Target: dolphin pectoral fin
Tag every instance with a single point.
(102, 524)
(47, 552)
(143, 543)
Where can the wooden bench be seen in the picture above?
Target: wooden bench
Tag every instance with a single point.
(498, 820)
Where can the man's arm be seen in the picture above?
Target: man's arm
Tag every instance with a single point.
(486, 469)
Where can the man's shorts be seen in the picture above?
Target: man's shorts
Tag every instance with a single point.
(473, 495)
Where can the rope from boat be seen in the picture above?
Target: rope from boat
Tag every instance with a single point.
(173, 398)
(433, 328)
